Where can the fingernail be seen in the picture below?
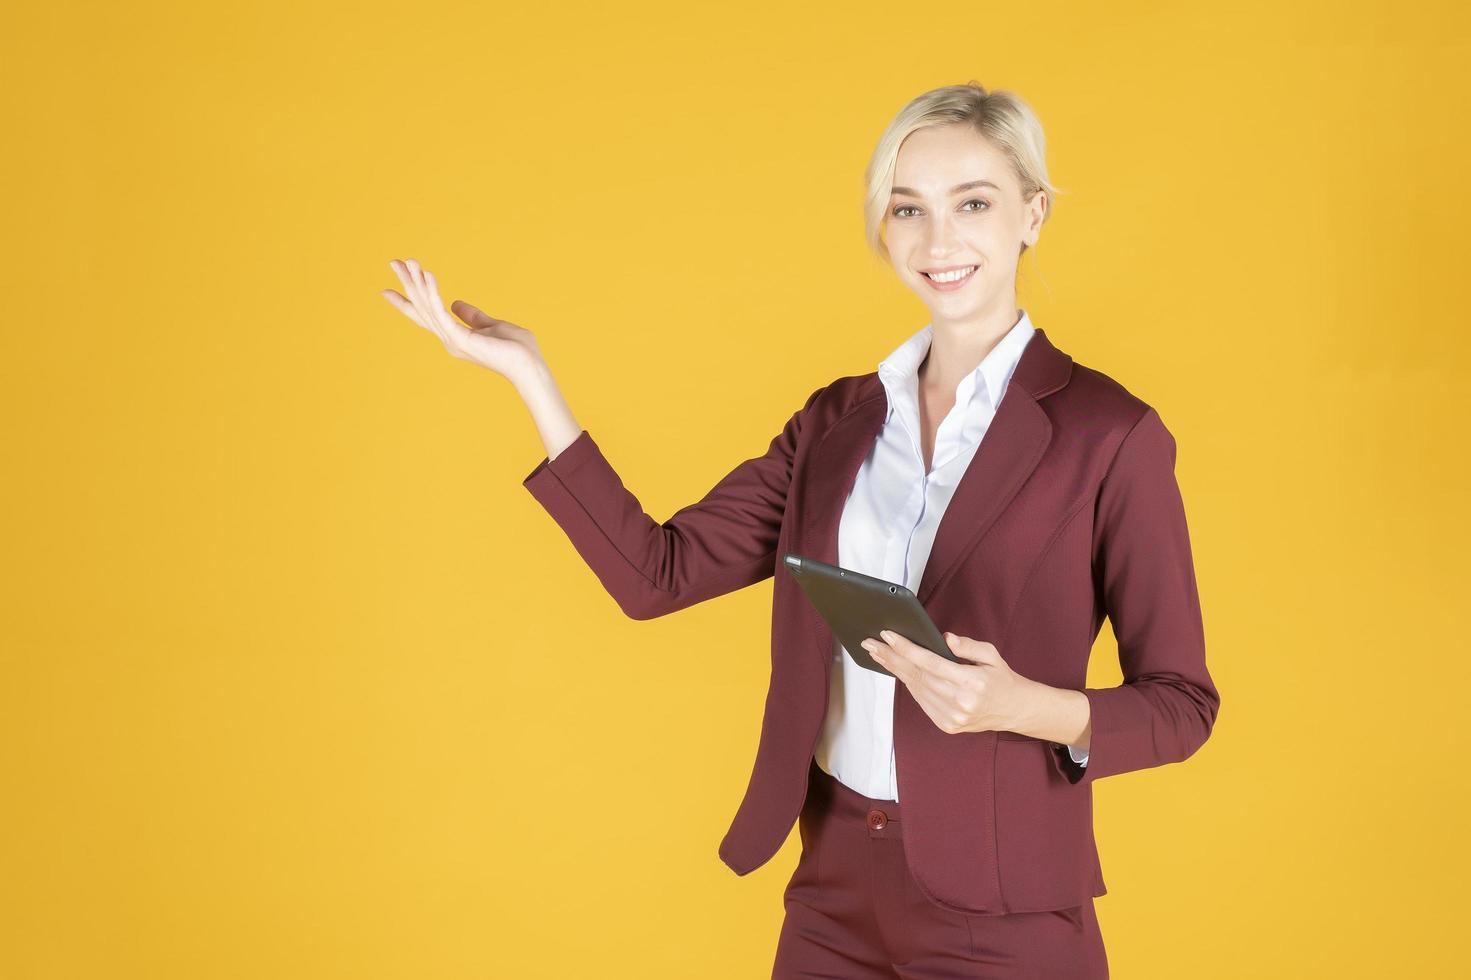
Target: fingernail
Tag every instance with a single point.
(887, 635)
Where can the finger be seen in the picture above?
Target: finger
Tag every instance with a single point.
(890, 659)
(432, 287)
(405, 275)
(941, 713)
(923, 658)
(923, 681)
(944, 688)
(419, 294)
(401, 269)
(938, 698)
(937, 708)
(405, 307)
(949, 719)
(924, 673)
(416, 272)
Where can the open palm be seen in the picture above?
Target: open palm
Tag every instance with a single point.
(499, 345)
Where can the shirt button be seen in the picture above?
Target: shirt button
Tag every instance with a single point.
(877, 820)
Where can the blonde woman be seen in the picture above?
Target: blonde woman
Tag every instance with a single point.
(1021, 495)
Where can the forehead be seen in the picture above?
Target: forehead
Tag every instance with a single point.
(934, 159)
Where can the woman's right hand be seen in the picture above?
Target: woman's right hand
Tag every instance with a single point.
(500, 345)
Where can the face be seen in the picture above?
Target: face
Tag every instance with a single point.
(940, 218)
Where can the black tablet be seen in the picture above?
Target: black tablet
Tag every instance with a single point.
(858, 606)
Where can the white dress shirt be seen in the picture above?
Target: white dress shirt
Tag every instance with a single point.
(887, 528)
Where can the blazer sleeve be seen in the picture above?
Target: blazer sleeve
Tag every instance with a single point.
(1167, 705)
(723, 542)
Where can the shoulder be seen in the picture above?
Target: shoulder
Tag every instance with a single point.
(1126, 430)
(1108, 422)
(1093, 394)
(838, 397)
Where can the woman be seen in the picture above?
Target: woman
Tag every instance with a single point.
(1022, 497)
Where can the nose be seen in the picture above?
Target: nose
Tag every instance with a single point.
(943, 237)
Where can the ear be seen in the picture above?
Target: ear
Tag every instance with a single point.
(1037, 212)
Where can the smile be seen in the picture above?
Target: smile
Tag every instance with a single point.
(950, 280)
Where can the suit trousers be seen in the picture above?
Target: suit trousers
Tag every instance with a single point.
(854, 912)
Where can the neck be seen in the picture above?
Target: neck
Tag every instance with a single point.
(957, 347)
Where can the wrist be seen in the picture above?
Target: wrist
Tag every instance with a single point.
(534, 380)
(1029, 706)
(1054, 714)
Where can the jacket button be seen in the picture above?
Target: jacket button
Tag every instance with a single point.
(877, 819)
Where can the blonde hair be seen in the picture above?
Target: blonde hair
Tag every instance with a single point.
(1002, 117)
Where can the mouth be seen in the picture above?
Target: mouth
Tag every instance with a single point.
(948, 279)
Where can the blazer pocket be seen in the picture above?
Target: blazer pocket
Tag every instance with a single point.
(1044, 831)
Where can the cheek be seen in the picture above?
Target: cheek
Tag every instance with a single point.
(900, 241)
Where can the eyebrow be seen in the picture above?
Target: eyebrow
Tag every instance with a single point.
(954, 190)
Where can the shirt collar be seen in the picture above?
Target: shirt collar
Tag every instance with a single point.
(899, 372)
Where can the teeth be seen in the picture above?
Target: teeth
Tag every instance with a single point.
(953, 276)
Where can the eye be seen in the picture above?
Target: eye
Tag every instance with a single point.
(985, 206)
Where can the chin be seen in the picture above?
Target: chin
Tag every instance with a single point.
(957, 307)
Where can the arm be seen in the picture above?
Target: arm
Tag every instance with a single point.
(1167, 705)
(1057, 714)
(724, 541)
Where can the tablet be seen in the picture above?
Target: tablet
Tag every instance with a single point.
(858, 606)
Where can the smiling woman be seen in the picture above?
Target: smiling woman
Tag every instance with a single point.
(956, 196)
(959, 445)
(1019, 494)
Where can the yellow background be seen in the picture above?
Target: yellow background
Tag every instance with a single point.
(298, 680)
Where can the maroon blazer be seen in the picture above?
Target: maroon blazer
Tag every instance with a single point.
(1069, 511)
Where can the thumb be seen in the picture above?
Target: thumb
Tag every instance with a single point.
(472, 315)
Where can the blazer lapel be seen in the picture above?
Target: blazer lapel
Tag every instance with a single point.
(832, 470)
(834, 467)
(1008, 453)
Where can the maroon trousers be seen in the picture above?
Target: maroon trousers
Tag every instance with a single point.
(853, 911)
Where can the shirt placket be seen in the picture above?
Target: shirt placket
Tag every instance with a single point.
(918, 504)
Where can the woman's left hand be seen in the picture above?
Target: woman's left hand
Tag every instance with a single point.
(989, 696)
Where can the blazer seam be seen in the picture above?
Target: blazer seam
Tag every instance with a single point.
(1066, 522)
(1108, 472)
(1052, 539)
(1119, 449)
(608, 538)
